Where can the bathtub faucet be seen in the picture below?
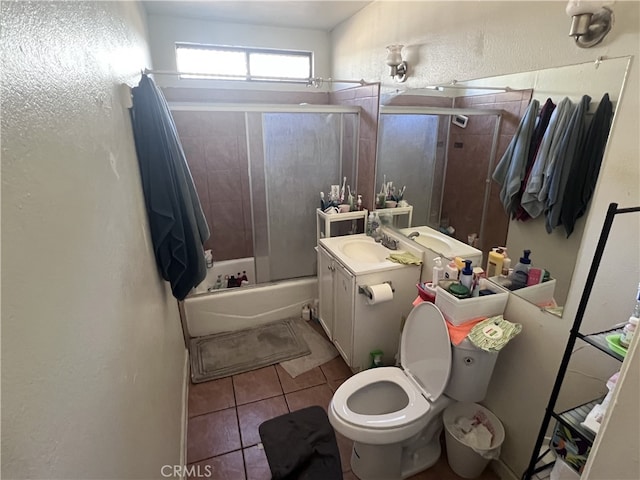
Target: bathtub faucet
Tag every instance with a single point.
(413, 235)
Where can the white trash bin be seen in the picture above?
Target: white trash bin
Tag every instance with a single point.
(461, 422)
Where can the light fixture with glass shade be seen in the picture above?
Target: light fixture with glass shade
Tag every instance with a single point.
(394, 60)
(591, 21)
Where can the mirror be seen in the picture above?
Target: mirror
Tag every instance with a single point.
(455, 197)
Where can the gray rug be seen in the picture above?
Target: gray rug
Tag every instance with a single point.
(230, 353)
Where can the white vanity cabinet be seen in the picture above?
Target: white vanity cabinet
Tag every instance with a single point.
(355, 326)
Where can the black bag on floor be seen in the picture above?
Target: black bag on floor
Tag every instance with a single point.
(301, 445)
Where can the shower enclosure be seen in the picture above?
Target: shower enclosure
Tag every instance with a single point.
(259, 171)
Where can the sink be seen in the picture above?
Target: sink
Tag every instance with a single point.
(433, 242)
(365, 251)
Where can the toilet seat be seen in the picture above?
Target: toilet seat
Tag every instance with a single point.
(417, 406)
(425, 356)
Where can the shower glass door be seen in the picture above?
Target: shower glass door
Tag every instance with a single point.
(407, 154)
(302, 157)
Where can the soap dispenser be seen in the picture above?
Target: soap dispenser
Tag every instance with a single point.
(521, 271)
(466, 275)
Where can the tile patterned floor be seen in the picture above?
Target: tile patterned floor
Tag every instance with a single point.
(224, 416)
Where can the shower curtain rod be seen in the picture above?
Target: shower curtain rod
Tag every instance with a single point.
(310, 82)
(468, 87)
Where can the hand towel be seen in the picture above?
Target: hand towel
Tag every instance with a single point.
(406, 258)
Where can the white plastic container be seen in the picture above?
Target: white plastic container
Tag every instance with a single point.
(458, 311)
(464, 460)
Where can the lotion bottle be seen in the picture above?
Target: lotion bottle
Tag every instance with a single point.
(451, 271)
(495, 262)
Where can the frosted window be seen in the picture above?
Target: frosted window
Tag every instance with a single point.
(239, 63)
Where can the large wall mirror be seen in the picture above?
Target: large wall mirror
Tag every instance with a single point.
(444, 145)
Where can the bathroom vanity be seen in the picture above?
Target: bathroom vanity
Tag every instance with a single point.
(356, 324)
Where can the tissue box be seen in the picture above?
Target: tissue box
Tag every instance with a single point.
(459, 310)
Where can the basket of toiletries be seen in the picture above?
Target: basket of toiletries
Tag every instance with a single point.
(491, 301)
(540, 294)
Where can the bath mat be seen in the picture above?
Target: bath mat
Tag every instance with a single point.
(321, 351)
(230, 353)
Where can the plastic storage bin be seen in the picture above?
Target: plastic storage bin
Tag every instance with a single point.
(464, 460)
(457, 310)
(541, 294)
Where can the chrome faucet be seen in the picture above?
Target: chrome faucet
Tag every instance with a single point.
(413, 235)
(389, 242)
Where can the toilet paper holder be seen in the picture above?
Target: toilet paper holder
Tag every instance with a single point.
(364, 290)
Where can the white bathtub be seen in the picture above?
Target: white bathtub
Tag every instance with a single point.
(237, 308)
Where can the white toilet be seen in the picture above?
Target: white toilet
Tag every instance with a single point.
(394, 415)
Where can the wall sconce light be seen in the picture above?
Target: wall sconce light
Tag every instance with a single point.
(591, 21)
(394, 60)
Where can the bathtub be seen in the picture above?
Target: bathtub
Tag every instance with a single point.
(231, 309)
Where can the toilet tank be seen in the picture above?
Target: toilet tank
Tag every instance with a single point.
(471, 370)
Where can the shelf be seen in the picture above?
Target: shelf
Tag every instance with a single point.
(325, 220)
(572, 418)
(599, 340)
(397, 211)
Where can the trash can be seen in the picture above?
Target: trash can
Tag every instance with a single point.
(473, 436)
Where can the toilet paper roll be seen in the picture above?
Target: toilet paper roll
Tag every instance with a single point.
(380, 293)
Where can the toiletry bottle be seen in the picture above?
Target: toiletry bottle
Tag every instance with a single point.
(494, 263)
(244, 277)
(231, 282)
(466, 275)
(506, 266)
(628, 332)
(438, 272)
(375, 225)
(359, 203)
(459, 263)
(520, 273)
(370, 222)
(218, 284)
(451, 271)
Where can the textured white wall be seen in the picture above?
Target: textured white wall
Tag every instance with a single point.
(467, 40)
(165, 31)
(92, 349)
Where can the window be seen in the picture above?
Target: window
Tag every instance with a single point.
(248, 64)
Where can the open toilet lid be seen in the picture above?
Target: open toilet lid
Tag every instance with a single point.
(425, 349)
